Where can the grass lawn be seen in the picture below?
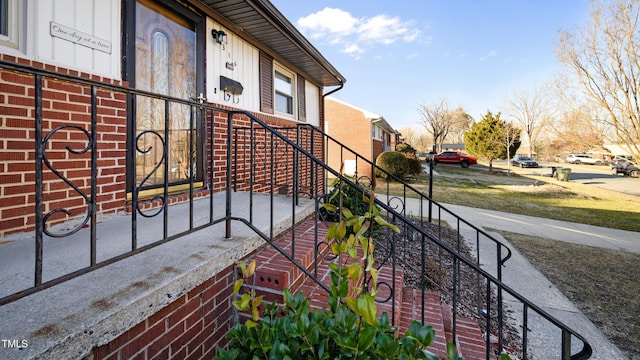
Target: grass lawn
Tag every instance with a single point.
(604, 284)
(535, 196)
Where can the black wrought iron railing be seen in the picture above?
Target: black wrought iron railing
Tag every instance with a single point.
(78, 173)
(487, 289)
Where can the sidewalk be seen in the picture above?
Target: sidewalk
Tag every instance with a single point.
(521, 276)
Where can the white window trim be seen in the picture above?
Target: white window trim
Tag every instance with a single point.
(294, 93)
(12, 39)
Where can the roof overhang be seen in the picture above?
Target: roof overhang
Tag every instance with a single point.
(384, 125)
(263, 22)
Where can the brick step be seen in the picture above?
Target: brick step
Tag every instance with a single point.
(274, 272)
(470, 339)
(411, 310)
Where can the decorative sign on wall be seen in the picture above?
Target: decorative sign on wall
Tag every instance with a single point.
(80, 38)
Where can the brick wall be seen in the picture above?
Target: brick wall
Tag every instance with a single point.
(264, 147)
(66, 104)
(349, 126)
(189, 328)
(67, 107)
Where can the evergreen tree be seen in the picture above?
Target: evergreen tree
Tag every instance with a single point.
(489, 138)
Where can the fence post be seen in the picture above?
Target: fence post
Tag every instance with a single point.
(227, 233)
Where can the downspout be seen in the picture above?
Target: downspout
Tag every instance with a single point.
(323, 97)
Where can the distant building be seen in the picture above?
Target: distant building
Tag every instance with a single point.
(452, 147)
(366, 133)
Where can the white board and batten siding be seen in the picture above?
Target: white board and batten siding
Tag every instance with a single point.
(240, 61)
(237, 60)
(85, 35)
(58, 22)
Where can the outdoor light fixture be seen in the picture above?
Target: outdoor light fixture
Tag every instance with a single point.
(219, 36)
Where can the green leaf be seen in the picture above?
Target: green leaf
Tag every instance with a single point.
(237, 285)
(251, 324)
(255, 305)
(341, 230)
(423, 333)
(354, 271)
(331, 232)
(452, 352)
(367, 309)
(352, 303)
(329, 207)
(343, 289)
(250, 269)
(367, 335)
(374, 280)
(243, 303)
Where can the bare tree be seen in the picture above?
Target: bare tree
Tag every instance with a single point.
(436, 119)
(460, 122)
(410, 135)
(418, 139)
(604, 59)
(532, 111)
(576, 131)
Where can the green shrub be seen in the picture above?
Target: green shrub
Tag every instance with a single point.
(352, 198)
(348, 329)
(405, 148)
(393, 162)
(415, 167)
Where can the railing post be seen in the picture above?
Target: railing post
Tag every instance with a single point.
(227, 233)
(94, 172)
(566, 345)
(38, 202)
(431, 182)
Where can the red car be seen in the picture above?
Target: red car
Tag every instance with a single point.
(454, 157)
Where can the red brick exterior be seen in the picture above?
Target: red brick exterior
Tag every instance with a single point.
(349, 126)
(189, 328)
(64, 104)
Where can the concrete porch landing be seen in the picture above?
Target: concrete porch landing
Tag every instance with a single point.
(67, 320)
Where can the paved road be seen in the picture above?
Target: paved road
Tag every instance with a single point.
(599, 176)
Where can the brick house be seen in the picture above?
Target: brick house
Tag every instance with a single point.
(363, 131)
(104, 100)
(112, 110)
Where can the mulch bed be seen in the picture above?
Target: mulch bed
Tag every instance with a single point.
(439, 275)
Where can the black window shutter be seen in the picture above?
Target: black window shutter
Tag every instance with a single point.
(302, 104)
(266, 83)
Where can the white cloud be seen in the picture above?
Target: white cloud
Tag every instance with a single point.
(353, 50)
(328, 22)
(337, 26)
(490, 54)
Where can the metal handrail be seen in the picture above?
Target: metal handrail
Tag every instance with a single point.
(413, 193)
(305, 164)
(567, 333)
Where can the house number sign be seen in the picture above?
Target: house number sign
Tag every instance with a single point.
(80, 38)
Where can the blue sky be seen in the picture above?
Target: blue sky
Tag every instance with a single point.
(397, 55)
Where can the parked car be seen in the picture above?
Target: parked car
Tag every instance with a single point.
(583, 159)
(523, 162)
(454, 157)
(625, 167)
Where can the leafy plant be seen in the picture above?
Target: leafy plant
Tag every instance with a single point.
(343, 195)
(349, 328)
(393, 162)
